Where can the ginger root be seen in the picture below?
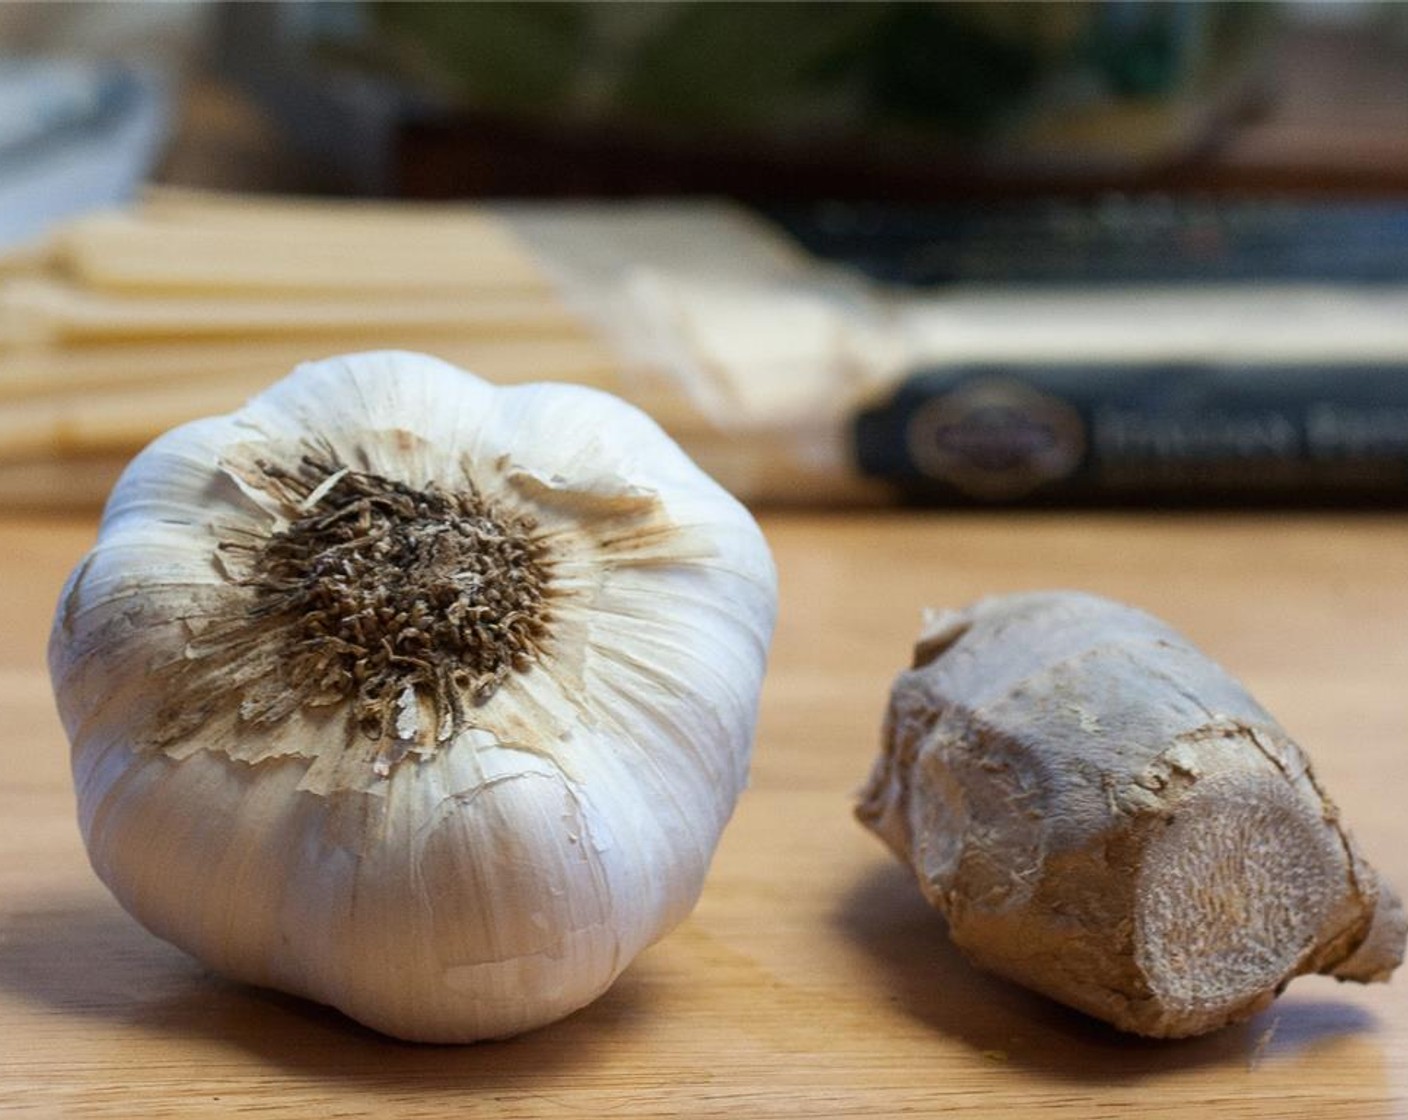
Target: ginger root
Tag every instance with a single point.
(1102, 814)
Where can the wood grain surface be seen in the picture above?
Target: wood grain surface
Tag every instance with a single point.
(811, 980)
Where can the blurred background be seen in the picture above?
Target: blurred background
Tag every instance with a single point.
(1109, 251)
(766, 101)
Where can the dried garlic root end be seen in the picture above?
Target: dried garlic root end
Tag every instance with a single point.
(1103, 815)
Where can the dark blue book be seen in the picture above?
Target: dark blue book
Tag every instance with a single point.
(1112, 240)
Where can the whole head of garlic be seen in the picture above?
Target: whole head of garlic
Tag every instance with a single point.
(419, 697)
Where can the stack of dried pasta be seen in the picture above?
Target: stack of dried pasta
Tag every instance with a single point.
(125, 324)
(756, 357)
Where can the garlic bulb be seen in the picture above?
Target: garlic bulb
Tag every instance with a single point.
(422, 698)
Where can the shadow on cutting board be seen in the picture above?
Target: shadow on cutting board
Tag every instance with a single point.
(79, 955)
(885, 915)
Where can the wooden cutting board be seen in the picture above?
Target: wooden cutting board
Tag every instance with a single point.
(811, 980)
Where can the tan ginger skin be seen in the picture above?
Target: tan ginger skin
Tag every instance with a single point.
(1104, 815)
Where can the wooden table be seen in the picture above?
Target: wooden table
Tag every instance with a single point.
(811, 980)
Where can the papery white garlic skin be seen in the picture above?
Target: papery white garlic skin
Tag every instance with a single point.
(485, 866)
